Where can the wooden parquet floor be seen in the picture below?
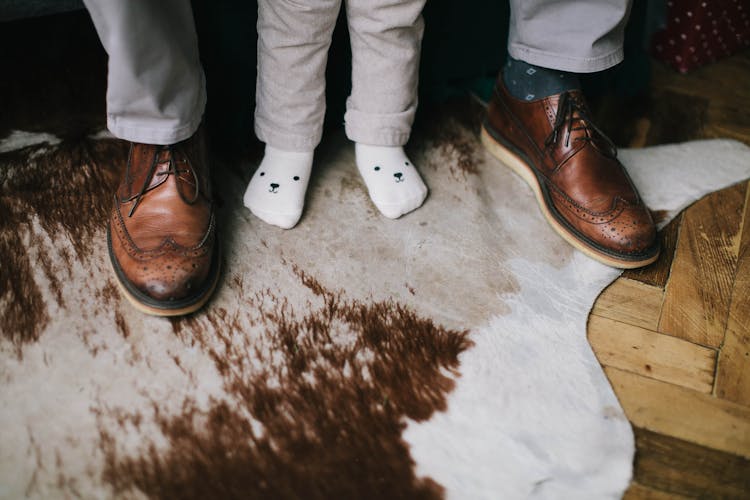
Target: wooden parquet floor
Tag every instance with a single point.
(674, 338)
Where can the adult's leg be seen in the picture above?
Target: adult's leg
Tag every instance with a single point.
(155, 85)
(580, 36)
(386, 38)
(162, 229)
(538, 124)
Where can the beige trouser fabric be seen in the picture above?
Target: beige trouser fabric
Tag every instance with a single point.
(581, 36)
(156, 91)
(155, 85)
(293, 42)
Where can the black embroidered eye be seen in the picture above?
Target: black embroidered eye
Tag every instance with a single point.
(262, 174)
(296, 177)
(406, 163)
(377, 168)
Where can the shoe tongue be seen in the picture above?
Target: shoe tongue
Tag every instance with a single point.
(161, 172)
(148, 159)
(140, 159)
(578, 125)
(184, 177)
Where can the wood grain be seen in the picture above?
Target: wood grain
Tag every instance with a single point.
(717, 83)
(631, 302)
(657, 273)
(703, 104)
(678, 466)
(733, 374)
(637, 491)
(682, 413)
(696, 300)
(652, 354)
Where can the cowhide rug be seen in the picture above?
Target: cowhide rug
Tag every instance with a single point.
(442, 354)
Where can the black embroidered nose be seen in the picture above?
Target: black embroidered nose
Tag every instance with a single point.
(398, 175)
(274, 185)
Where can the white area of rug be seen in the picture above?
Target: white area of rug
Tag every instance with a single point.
(19, 139)
(532, 414)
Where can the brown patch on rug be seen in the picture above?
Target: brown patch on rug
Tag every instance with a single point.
(66, 190)
(453, 129)
(315, 404)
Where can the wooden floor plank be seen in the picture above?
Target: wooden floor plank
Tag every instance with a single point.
(684, 107)
(672, 465)
(733, 374)
(717, 84)
(657, 273)
(631, 302)
(637, 491)
(652, 354)
(682, 413)
(696, 300)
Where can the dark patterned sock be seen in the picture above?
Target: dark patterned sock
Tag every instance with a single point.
(529, 82)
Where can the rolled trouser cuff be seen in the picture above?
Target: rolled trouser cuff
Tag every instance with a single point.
(285, 140)
(390, 129)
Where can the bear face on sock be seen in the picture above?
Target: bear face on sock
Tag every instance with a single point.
(398, 176)
(392, 181)
(273, 187)
(276, 193)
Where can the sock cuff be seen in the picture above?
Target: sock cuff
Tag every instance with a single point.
(288, 155)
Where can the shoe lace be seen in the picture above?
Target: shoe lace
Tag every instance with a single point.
(571, 110)
(172, 169)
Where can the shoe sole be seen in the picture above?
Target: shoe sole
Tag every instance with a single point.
(580, 242)
(152, 307)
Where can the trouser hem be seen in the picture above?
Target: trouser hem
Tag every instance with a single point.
(286, 141)
(377, 137)
(130, 129)
(564, 62)
(388, 129)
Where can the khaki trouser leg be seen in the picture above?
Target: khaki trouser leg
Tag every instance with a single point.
(581, 36)
(155, 86)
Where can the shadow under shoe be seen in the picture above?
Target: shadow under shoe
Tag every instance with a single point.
(162, 229)
(582, 188)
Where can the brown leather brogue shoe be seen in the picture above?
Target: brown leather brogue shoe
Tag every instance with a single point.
(582, 188)
(162, 231)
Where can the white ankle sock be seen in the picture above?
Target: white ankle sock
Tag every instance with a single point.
(276, 193)
(394, 184)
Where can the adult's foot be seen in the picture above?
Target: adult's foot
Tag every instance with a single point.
(582, 189)
(162, 230)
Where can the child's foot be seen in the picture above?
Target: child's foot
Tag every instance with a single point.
(394, 184)
(276, 193)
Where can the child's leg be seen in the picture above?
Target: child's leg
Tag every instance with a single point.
(293, 41)
(386, 38)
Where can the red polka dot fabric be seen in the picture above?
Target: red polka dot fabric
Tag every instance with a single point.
(699, 32)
